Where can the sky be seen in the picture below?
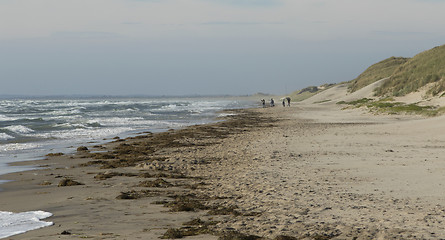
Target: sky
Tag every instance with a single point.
(204, 47)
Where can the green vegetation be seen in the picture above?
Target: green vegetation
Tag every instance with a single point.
(376, 72)
(308, 92)
(424, 68)
(403, 76)
(357, 103)
(387, 105)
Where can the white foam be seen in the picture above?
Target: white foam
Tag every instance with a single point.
(120, 121)
(6, 118)
(172, 107)
(70, 125)
(17, 146)
(89, 133)
(4, 136)
(16, 223)
(195, 106)
(19, 129)
(226, 114)
(64, 112)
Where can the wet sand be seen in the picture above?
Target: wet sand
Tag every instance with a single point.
(311, 171)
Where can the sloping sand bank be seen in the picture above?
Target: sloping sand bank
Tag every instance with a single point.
(311, 171)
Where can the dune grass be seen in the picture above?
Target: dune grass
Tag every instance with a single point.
(389, 106)
(308, 92)
(424, 68)
(376, 72)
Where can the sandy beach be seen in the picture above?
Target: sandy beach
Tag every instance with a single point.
(309, 171)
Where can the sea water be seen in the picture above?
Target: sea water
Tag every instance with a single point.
(30, 128)
(16, 223)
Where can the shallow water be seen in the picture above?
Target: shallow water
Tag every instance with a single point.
(33, 127)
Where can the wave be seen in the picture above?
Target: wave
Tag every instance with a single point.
(13, 147)
(16, 223)
(31, 124)
(4, 118)
(226, 114)
(123, 121)
(19, 129)
(81, 133)
(5, 136)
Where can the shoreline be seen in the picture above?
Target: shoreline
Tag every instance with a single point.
(59, 124)
(304, 172)
(61, 166)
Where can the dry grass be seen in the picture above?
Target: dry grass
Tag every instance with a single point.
(424, 68)
(376, 72)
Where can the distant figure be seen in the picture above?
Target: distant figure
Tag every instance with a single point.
(288, 101)
(263, 102)
(272, 102)
(284, 102)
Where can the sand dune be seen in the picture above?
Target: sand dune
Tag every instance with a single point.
(340, 93)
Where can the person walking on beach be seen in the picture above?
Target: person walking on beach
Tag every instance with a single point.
(288, 101)
(284, 102)
(264, 102)
(272, 102)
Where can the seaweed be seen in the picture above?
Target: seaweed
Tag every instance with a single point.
(192, 228)
(137, 194)
(103, 176)
(68, 182)
(186, 203)
(284, 237)
(158, 183)
(82, 149)
(143, 148)
(220, 210)
(54, 154)
(163, 175)
(234, 235)
(45, 183)
(172, 233)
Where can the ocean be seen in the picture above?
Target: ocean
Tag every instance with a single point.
(30, 128)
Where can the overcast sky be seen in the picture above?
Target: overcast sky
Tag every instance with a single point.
(179, 47)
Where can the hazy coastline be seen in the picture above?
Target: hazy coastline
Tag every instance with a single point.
(300, 172)
(222, 120)
(33, 127)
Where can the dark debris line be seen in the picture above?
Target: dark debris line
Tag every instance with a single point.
(135, 150)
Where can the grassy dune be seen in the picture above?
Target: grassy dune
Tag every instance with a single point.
(376, 72)
(404, 75)
(424, 68)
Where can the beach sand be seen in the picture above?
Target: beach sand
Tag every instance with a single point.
(309, 171)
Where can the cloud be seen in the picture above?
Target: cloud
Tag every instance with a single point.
(85, 35)
(431, 1)
(402, 33)
(250, 3)
(156, 1)
(242, 23)
(131, 23)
